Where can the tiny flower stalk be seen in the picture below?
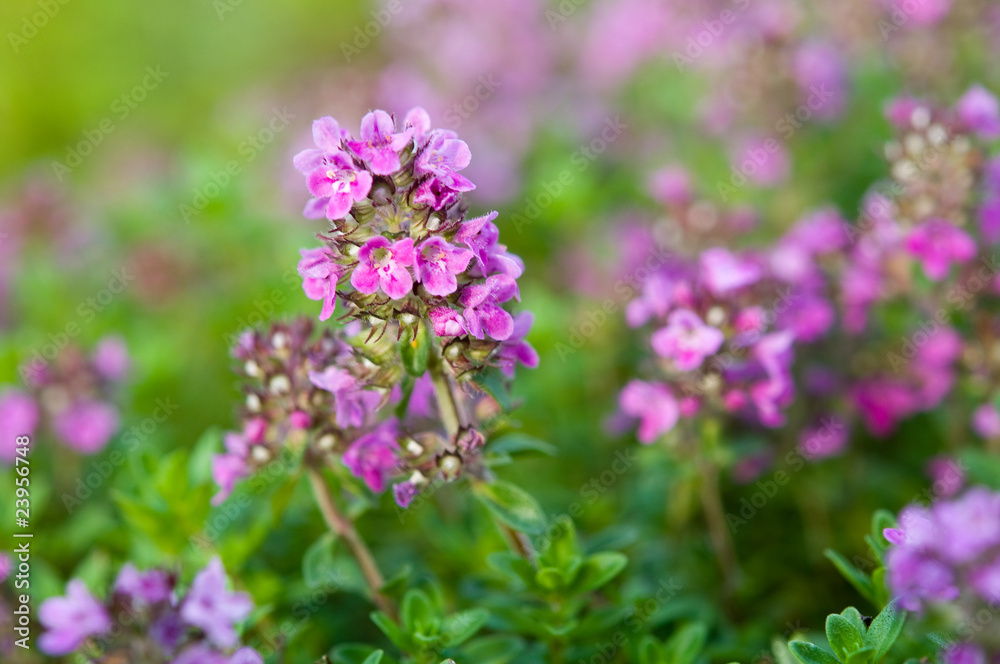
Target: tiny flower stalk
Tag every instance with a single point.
(711, 501)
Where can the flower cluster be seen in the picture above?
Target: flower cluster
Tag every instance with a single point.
(147, 619)
(73, 392)
(946, 558)
(401, 240)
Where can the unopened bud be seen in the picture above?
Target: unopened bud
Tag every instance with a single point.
(253, 403)
(260, 454)
(252, 368)
(280, 384)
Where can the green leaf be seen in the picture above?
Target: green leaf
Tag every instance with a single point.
(863, 656)
(807, 653)
(599, 569)
(650, 651)
(854, 616)
(356, 654)
(885, 629)
(492, 381)
(512, 566)
(561, 549)
(512, 443)
(511, 505)
(685, 645)
(550, 578)
(392, 631)
(318, 561)
(843, 636)
(782, 655)
(497, 649)
(462, 626)
(415, 350)
(418, 614)
(854, 576)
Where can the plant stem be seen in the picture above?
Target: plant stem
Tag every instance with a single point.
(342, 527)
(451, 414)
(711, 500)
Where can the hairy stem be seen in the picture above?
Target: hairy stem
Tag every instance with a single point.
(343, 527)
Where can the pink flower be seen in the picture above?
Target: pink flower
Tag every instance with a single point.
(979, 110)
(653, 404)
(763, 161)
(230, 467)
(18, 417)
(210, 606)
(151, 587)
(380, 144)
(686, 340)
(937, 244)
(437, 264)
(670, 185)
(87, 426)
(338, 183)
(71, 619)
(443, 157)
(986, 421)
(320, 275)
(481, 236)
(373, 456)
(515, 349)
(353, 402)
(381, 264)
(111, 358)
(447, 322)
(724, 272)
(483, 312)
(924, 12)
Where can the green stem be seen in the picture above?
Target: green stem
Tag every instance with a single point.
(711, 500)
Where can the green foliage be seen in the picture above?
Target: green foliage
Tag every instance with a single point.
(851, 641)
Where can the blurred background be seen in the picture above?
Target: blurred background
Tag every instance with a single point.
(147, 192)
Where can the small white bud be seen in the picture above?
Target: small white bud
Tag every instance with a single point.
(279, 340)
(253, 402)
(326, 442)
(716, 316)
(280, 384)
(417, 478)
(252, 368)
(414, 448)
(260, 454)
(920, 117)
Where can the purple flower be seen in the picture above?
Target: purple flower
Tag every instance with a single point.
(150, 587)
(199, 653)
(373, 456)
(774, 353)
(18, 417)
(6, 565)
(404, 493)
(87, 426)
(986, 421)
(380, 144)
(686, 340)
(481, 236)
(383, 264)
(763, 161)
(447, 322)
(437, 264)
(71, 619)
(338, 184)
(443, 157)
(915, 579)
(926, 12)
(168, 630)
(483, 313)
(353, 402)
(937, 244)
(212, 608)
(515, 349)
(653, 404)
(419, 121)
(328, 137)
(979, 111)
(882, 403)
(670, 185)
(246, 656)
(821, 75)
(320, 275)
(969, 525)
(986, 580)
(826, 439)
(724, 272)
(963, 653)
(947, 474)
(111, 358)
(230, 467)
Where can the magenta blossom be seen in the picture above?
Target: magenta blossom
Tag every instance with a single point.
(87, 426)
(443, 157)
(353, 402)
(340, 184)
(438, 263)
(979, 110)
(515, 349)
(483, 313)
(937, 244)
(653, 404)
(380, 144)
(986, 421)
(230, 467)
(373, 456)
(111, 358)
(18, 417)
(381, 264)
(447, 322)
(211, 607)
(724, 272)
(686, 340)
(481, 236)
(320, 275)
(71, 619)
(150, 587)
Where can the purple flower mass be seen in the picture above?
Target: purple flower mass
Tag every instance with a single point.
(71, 619)
(211, 607)
(380, 144)
(373, 456)
(87, 426)
(354, 402)
(382, 264)
(483, 313)
(937, 244)
(686, 340)
(654, 406)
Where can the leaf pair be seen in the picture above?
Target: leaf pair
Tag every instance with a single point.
(851, 641)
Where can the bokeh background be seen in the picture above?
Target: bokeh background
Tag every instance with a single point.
(118, 121)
